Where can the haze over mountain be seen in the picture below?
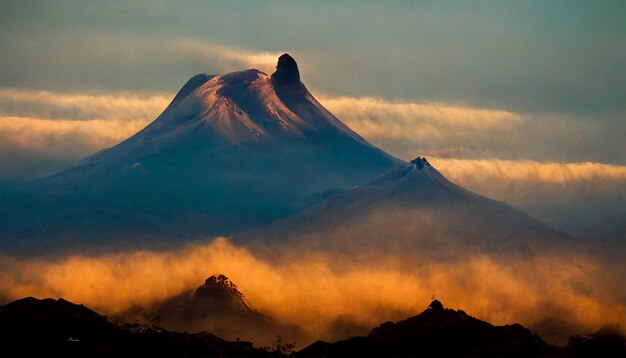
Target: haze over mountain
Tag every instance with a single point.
(218, 307)
(412, 207)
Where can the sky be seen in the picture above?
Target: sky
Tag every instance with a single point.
(522, 101)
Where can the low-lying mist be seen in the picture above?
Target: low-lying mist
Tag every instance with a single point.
(333, 295)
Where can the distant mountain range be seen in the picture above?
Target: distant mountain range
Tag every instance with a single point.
(246, 153)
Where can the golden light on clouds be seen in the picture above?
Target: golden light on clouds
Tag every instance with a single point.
(74, 106)
(73, 138)
(237, 58)
(481, 170)
(409, 117)
(317, 288)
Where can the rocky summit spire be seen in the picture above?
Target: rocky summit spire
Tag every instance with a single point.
(286, 71)
(421, 162)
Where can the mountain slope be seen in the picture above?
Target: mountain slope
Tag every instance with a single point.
(230, 153)
(411, 207)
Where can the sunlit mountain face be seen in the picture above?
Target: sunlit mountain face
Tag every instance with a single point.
(244, 216)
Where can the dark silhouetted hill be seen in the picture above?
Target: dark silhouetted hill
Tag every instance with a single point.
(441, 332)
(219, 307)
(57, 328)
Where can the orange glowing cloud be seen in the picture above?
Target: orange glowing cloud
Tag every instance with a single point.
(317, 288)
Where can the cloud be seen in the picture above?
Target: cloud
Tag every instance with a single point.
(481, 171)
(378, 111)
(31, 147)
(485, 54)
(585, 199)
(317, 288)
(42, 131)
(141, 63)
(78, 106)
(409, 129)
(229, 58)
(65, 137)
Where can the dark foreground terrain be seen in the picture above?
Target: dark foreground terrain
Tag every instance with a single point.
(442, 332)
(48, 327)
(51, 328)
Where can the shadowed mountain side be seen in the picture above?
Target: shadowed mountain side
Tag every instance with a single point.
(230, 153)
(438, 332)
(411, 207)
(57, 328)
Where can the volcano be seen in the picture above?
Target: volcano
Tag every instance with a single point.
(230, 153)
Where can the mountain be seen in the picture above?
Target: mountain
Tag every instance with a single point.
(219, 294)
(231, 152)
(411, 207)
(219, 307)
(438, 332)
(57, 328)
(49, 327)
